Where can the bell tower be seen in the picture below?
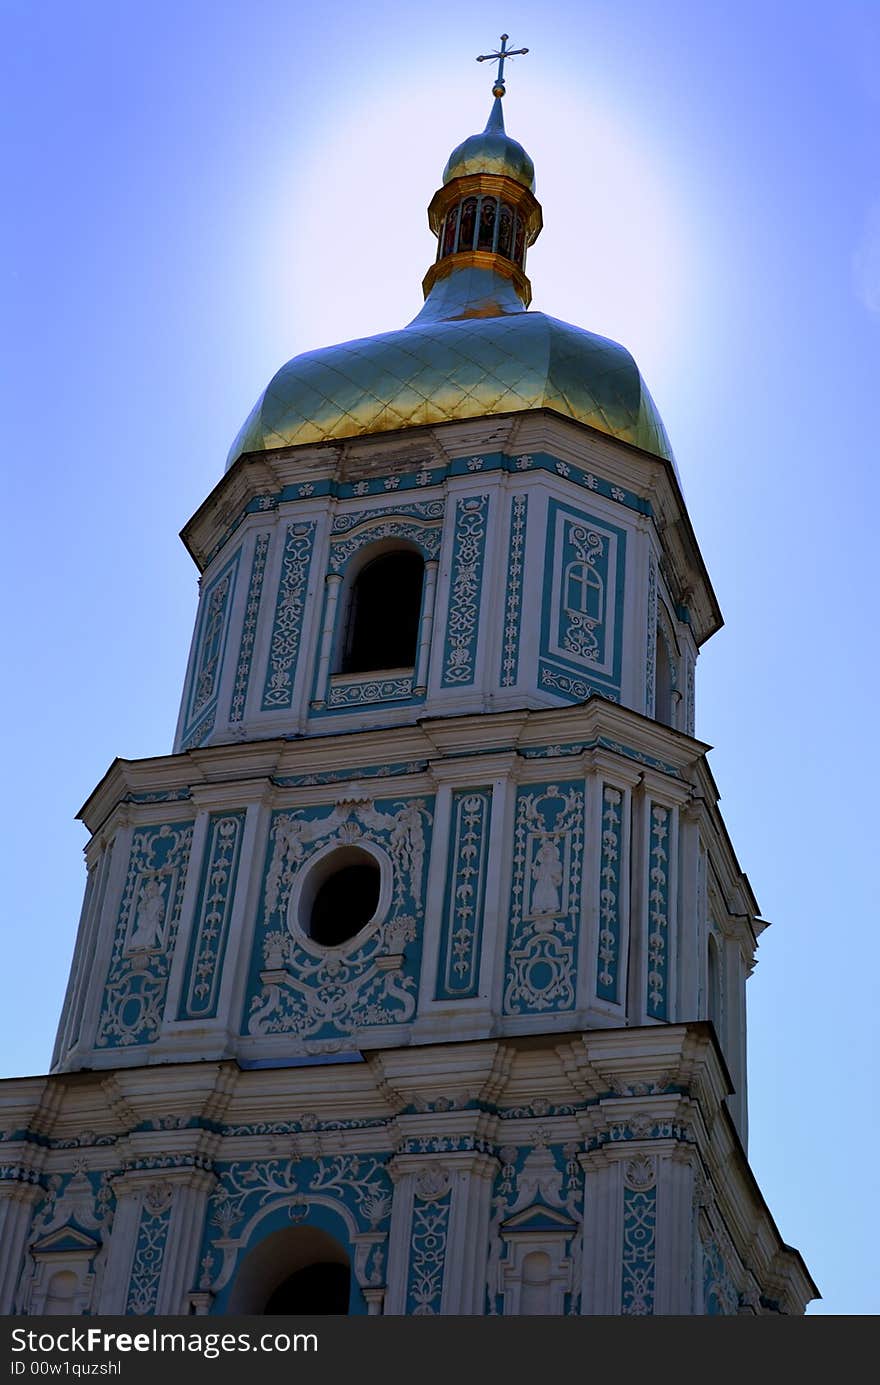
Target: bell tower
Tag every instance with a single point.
(413, 979)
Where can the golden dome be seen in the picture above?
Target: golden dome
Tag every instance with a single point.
(473, 350)
(493, 151)
(436, 370)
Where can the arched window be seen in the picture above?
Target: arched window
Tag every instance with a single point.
(505, 230)
(519, 241)
(448, 240)
(467, 224)
(663, 694)
(382, 626)
(340, 896)
(488, 215)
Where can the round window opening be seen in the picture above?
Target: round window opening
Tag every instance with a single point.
(343, 897)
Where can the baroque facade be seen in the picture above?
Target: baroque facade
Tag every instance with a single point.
(413, 981)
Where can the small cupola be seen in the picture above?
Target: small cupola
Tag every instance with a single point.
(485, 216)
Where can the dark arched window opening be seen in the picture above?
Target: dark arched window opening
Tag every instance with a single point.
(663, 710)
(319, 1288)
(383, 614)
(345, 899)
(714, 983)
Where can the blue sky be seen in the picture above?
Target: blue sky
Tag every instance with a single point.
(200, 190)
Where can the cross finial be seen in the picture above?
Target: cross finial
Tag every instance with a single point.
(502, 53)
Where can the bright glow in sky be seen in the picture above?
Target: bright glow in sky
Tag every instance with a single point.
(201, 189)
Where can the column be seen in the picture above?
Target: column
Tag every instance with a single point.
(17, 1201)
(603, 1235)
(333, 583)
(427, 625)
(674, 1249)
(180, 1269)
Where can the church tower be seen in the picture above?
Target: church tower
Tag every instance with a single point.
(413, 980)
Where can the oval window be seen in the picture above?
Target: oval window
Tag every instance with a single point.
(340, 896)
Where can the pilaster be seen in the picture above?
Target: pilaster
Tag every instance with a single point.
(95, 976)
(192, 1188)
(673, 1293)
(17, 1203)
(603, 1234)
(464, 1292)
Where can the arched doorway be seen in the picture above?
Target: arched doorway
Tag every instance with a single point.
(298, 1270)
(323, 1287)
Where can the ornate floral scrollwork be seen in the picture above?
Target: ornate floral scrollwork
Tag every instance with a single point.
(513, 600)
(609, 893)
(464, 597)
(314, 991)
(545, 903)
(639, 1173)
(146, 932)
(289, 610)
(658, 911)
(249, 628)
(431, 1182)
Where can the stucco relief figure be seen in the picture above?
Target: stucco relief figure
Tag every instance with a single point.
(547, 875)
(150, 916)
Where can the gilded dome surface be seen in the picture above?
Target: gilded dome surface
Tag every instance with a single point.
(492, 151)
(437, 370)
(473, 350)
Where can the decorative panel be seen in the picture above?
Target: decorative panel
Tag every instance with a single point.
(146, 1270)
(689, 697)
(639, 1233)
(213, 625)
(249, 628)
(651, 646)
(363, 692)
(418, 522)
(610, 878)
(146, 930)
(514, 594)
(466, 581)
(582, 616)
(537, 1203)
(458, 972)
(658, 913)
(720, 1298)
(207, 949)
(289, 609)
(320, 993)
(349, 1196)
(430, 1228)
(545, 905)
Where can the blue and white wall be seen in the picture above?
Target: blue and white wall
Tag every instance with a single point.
(543, 585)
(588, 1174)
(527, 885)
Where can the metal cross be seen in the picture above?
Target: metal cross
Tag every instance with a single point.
(503, 52)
